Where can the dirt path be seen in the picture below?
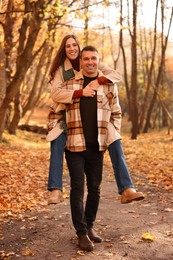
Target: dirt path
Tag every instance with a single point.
(48, 234)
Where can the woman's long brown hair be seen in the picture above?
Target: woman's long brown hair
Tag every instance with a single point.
(61, 55)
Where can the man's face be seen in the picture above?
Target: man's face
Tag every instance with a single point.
(89, 63)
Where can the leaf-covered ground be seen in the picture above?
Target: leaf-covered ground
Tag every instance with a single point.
(24, 166)
(29, 224)
(25, 160)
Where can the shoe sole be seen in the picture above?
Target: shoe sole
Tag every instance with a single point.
(95, 240)
(135, 199)
(87, 249)
(55, 202)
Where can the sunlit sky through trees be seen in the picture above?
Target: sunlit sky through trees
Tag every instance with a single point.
(108, 16)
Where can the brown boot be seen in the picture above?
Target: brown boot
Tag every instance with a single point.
(94, 236)
(130, 194)
(55, 197)
(85, 243)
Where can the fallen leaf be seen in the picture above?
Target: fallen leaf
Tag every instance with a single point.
(147, 236)
(126, 242)
(109, 245)
(65, 196)
(28, 252)
(58, 256)
(168, 210)
(79, 252)
(138, 182)
(153, 214)
(107, 240)
(33, 218)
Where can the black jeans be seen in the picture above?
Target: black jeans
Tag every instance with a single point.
(89, 163)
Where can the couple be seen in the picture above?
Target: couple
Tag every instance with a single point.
(91, 110)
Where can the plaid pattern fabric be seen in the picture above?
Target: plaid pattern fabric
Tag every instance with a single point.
(108, 110)
(64, 73)
(55, 117)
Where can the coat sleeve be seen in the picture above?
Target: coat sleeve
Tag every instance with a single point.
(113, 75)
(116, 115)
(57, 94)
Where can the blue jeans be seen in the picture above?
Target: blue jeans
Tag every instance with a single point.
(121, 171)
(56, 162)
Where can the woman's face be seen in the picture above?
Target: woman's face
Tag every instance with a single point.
(71, 49)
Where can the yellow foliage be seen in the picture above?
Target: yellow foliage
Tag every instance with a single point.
(148, 237)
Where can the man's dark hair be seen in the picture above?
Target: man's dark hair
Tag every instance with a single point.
(89, 48)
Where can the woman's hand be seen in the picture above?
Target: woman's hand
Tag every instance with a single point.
(94, 84)
(90, 89)
(88, 92)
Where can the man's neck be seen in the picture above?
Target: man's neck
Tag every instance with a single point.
(87, 80)
(92, 75)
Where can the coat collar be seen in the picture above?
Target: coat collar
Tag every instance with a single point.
(67, 64)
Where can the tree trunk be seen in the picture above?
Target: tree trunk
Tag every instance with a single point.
(150, 73)
(124, 57)
(161, 66)
(134, 107)
(115, 60)
(34, 95)
(86, 34)
(8, 39)
(17, 114)
(164, 118)
(2, 74)
(24, 59)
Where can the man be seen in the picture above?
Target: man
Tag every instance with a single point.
(63, 71)
(88, 120)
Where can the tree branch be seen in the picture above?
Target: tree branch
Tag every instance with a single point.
(16, 11)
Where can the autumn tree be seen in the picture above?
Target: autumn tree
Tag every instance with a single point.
(29, 19)
(32, 31)
(131, 87)
(164, 42)
(147, 50)
(31, 24)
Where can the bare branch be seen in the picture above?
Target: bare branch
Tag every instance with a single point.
(16, 11)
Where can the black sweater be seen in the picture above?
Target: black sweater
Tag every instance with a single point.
(88, 110)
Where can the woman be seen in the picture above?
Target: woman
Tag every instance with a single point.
(64, 67)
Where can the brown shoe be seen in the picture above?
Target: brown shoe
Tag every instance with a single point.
(55, 197)
(85, 243)
(130, 194)
(93, 235)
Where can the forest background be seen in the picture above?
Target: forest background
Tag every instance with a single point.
(133, 36)
(130, 36)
